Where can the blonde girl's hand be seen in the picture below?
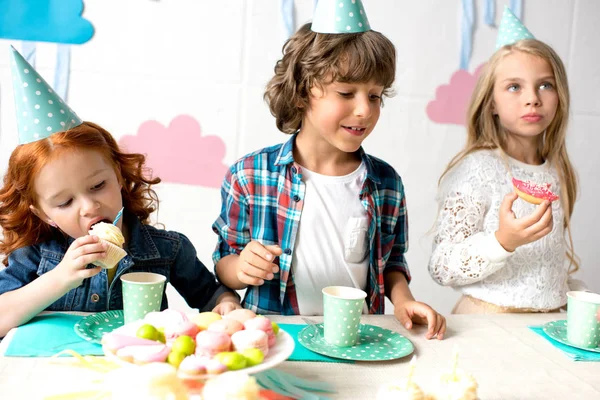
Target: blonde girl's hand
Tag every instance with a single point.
(412, 311)
(514, 232)
(255, 264)
(83, 251)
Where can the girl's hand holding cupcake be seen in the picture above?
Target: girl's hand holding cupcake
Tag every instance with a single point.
(514, 232)
(73, 267)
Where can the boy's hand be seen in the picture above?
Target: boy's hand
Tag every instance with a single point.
(83, 251)
(420, 313)
(514, 232)
(255, 264)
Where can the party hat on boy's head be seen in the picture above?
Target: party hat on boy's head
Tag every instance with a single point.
(40, 111)
(340, 16)
(511, 29)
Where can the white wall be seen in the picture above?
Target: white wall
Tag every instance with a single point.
(211, 59)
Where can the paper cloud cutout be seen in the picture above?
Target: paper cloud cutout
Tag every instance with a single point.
(451, 101)
(57, 21)
(179, 153)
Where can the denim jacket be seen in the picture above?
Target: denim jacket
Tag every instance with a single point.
(149, 250)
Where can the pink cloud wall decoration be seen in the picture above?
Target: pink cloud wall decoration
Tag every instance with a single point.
(178, 153)
(451, 100)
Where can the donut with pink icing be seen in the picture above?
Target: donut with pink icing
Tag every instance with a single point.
(533, 192)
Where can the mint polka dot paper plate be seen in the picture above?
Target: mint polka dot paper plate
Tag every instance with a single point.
(557, 330)
(374, 344)
(93, 327)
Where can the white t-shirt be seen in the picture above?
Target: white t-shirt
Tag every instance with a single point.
(331, 244)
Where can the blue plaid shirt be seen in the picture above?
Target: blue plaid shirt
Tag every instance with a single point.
(262, 200)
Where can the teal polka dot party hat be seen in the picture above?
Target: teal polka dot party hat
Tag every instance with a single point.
(340, 16)
(511, 29)
(40, 111)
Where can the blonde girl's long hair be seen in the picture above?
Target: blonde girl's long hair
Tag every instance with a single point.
(484, 130)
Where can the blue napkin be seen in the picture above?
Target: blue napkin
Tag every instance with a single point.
(572, 352)
(46, 335)
(301, 353)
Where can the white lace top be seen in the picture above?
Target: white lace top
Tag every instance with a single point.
(466, 254)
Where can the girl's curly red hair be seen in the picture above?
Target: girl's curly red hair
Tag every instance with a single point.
(21, 228)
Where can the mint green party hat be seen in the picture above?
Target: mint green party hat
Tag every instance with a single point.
(511, 29)
(40, 111)
(340, 16)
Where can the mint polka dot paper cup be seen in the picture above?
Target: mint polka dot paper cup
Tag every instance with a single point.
(142, 293)
(583, 328)
(342, 308)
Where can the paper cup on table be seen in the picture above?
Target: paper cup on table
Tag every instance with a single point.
(583, 328)
(342, 308)
(142, 293)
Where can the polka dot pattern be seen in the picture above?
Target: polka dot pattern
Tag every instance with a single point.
(511, 29)
(94, 326)
(340, 16)
(374, 344)
(37, 105)
(342, 318)
(583, 329)
(140, 299)
(557, 330)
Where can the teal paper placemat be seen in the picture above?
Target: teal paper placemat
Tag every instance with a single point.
(301, 353)
(572, 352)
(46, 335)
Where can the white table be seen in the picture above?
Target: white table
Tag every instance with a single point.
(508, 360)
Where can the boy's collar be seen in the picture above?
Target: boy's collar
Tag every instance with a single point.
(286, 156)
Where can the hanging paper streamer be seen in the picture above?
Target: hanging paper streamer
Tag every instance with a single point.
(62, 71)
(28, 51)
(489, 11)
(468, 9)
(287, 12)
(516, 7)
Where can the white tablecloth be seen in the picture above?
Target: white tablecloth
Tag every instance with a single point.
(508, 360)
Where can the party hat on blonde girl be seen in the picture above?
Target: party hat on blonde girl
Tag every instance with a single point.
(40, 111)
(511, 29)
(340, 16)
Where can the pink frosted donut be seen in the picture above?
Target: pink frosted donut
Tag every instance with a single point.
(250, 339)
(229, 326)
(241, 315)
(532, 192)
(209, 343)
(262, 324)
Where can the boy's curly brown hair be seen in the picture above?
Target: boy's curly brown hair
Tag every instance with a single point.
(312, 59)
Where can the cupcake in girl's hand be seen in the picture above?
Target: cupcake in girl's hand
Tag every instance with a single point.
(112, 236)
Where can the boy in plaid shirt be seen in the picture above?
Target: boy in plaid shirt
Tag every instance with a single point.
(318, 211)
